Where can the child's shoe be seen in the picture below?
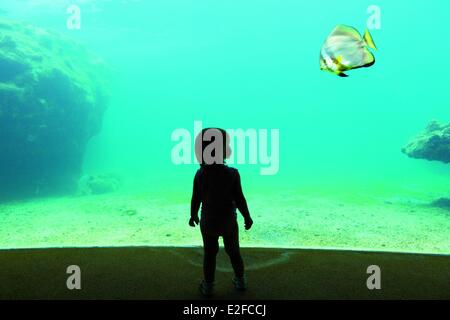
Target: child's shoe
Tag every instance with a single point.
(240, 284)
(206, 288)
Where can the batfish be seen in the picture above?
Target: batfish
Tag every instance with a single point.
(345, 49)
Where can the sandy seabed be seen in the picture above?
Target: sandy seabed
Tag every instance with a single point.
(281, 220)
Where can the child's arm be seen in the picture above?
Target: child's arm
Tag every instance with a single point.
(195, 203)
(241, 203)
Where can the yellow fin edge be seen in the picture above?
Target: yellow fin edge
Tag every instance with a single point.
(369, 40)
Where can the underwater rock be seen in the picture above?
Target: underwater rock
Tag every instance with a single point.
(52, 100)
(443, 203)
(433, 144)
(99, 184)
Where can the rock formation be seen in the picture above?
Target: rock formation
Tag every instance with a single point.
(99, 184)
(433, 144)
(52, 100)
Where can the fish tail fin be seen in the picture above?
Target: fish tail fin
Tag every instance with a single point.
(369, 40)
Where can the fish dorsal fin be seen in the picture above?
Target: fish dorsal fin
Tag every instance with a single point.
(343, 30)
(369, 40)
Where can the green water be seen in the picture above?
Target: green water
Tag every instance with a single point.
(255, 64)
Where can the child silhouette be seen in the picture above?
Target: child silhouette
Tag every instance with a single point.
(218, 189)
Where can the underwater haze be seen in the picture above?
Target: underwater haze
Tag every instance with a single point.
(343, 180)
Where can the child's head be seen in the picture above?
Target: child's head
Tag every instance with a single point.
(212, 146)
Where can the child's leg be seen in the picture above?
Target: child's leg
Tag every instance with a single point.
(211, 248)
(231, 243)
